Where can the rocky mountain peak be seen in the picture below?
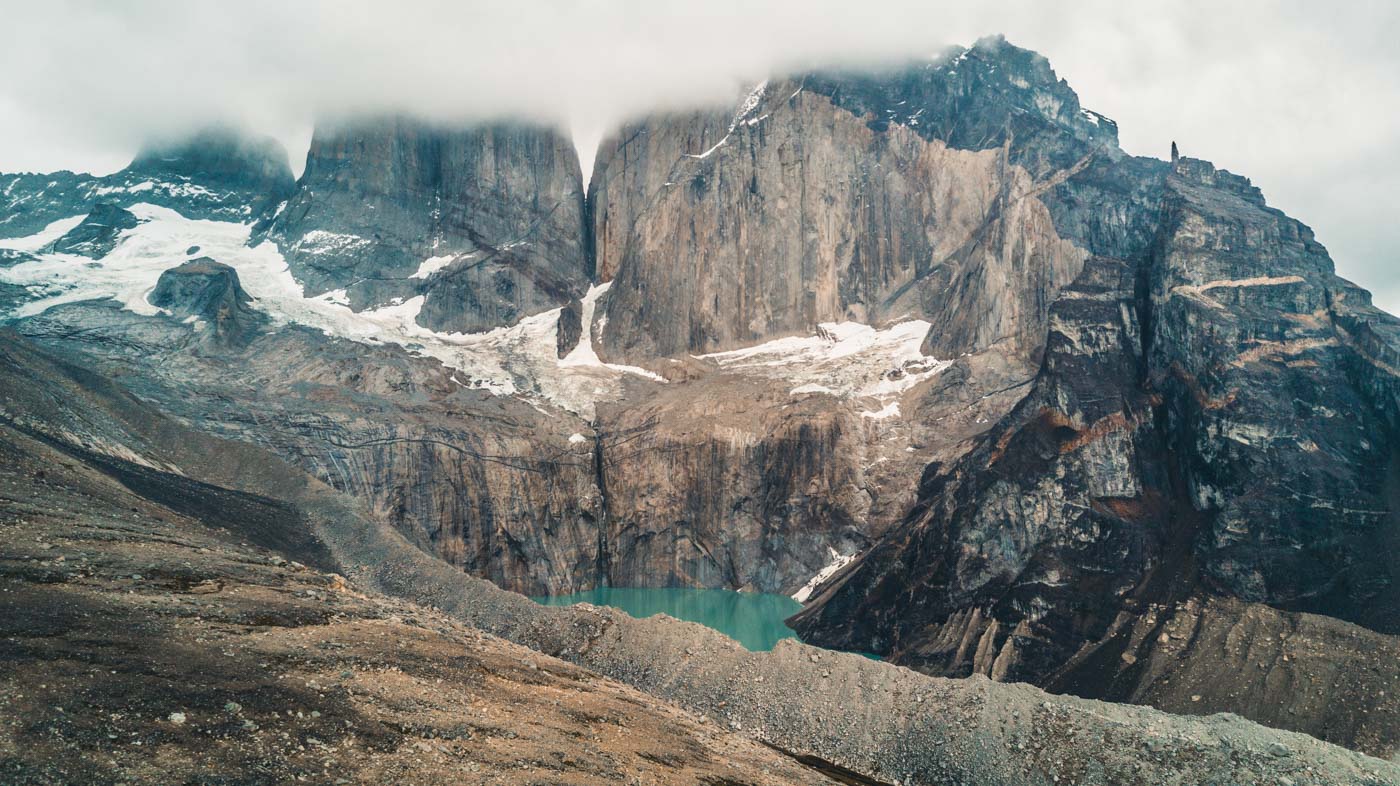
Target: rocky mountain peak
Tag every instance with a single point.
(972, 98)
(1197, 172)
(218, 156)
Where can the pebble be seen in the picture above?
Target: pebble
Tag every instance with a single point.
(177, 718)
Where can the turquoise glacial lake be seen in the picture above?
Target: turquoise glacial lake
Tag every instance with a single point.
(753, 619)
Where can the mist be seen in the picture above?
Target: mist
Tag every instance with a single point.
(1301, 97)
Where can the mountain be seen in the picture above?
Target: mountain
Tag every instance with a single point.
(919, 344)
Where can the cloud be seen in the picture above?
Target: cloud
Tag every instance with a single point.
(1299, 96)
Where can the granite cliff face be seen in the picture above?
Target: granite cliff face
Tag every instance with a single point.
(934, 191)
(484, 222)
(800, 213)
(1272, 405)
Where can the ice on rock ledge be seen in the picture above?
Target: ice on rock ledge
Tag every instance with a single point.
(432, 265)
(838, 561)
(319, 241)
(843, 359)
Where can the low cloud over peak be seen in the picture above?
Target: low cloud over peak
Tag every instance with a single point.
(1300, 97)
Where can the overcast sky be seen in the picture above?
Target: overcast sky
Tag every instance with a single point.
(1302, 97)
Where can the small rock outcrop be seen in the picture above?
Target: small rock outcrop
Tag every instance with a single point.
(208, 293)
(97, 235)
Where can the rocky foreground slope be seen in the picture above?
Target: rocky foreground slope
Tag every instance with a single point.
(1104, 423)
(150, 635)
(181, 634)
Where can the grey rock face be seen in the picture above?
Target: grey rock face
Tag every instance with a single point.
(1272, 407)
(632, 167)
(722, 484)
(1034, 540)
(487, 484)
(97, 235)
(570, 328)
(499, 207)
(1173, 658)
(253, 165)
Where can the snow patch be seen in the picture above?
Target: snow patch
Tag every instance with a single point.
(838, 562)
(584, 355)
(746, 107)
(43, 237)
(319, 241)
(432, 265)
(890, 410)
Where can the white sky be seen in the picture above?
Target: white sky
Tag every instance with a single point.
(1302, 97)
